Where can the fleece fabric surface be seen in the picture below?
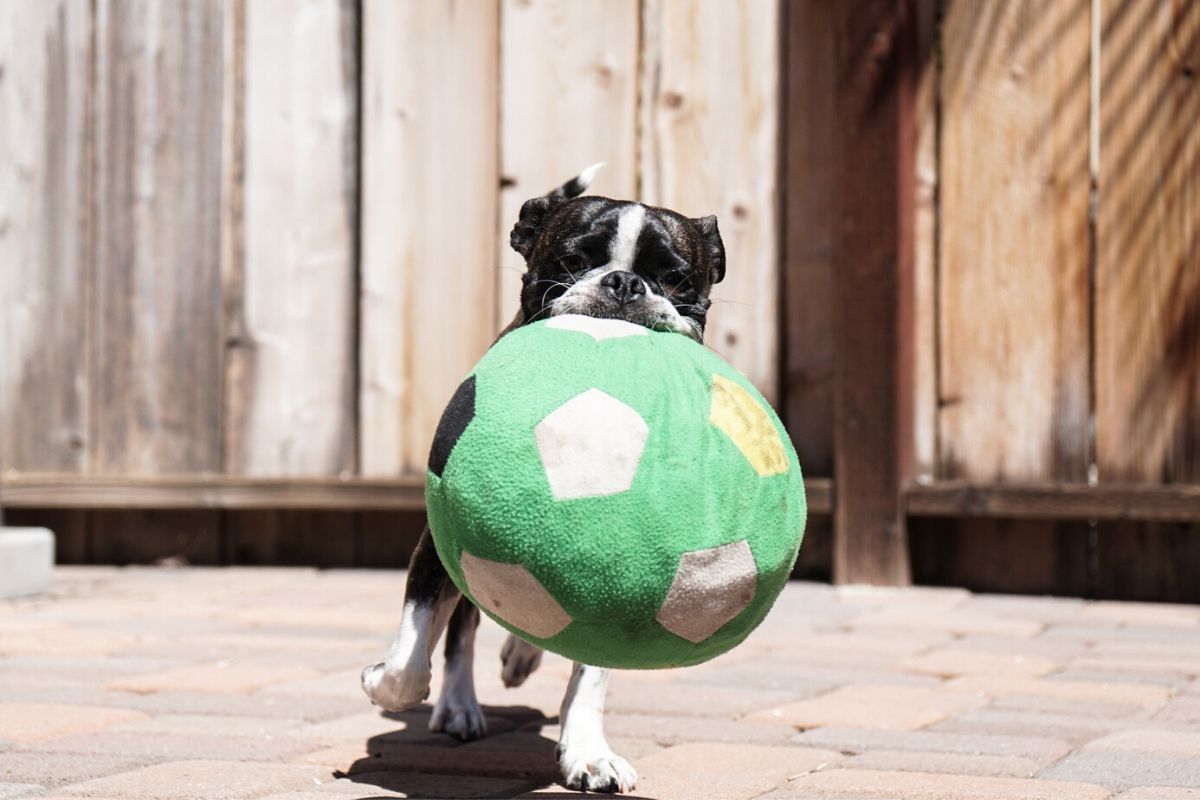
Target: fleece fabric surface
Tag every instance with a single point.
(621, 496)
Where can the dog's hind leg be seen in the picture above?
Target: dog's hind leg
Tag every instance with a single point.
(402, 680)
(457, 711)
(519, 659)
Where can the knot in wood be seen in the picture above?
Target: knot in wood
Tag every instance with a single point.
(881, 45)
(672, 99)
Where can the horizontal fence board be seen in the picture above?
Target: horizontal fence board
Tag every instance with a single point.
(709, 144)
(429, 190)
(1055, 501)
(18, 490)
(209, 491)
(291, 394)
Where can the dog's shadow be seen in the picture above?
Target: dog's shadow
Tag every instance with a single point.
(515, 758)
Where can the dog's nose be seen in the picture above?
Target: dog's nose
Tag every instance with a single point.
(624, 286)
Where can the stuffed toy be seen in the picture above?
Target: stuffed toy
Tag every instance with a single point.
(618, 495)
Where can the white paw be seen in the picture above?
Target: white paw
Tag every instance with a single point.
(459, 716)
(396, 690)
(600, 770)
(520, 659)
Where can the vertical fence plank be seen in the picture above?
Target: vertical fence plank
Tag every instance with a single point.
(428, 223)
(155, 361)
(1148, 286)
(808, 234)
(568, 100)
(44, 64)
(1014, 240)
(709, 145)
(873, 202)
(295, 394)
(155, 365)
(1148, 244)
(924, 326)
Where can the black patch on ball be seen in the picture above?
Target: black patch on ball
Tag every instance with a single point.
(455, 419)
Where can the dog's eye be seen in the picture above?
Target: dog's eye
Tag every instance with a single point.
(674, 278)
(572, 263)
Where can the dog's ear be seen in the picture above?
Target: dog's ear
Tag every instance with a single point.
(714, 248)
(535, 211)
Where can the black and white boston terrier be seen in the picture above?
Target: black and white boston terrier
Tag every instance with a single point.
(584, 255)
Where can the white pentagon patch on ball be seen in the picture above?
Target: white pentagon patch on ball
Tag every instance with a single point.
(591, 446)
(511, 592)
(596, 327)
(710, 588)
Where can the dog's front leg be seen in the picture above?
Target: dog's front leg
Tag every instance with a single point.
(402, 680)
(584, 757)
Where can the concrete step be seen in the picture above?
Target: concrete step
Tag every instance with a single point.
(26, 560)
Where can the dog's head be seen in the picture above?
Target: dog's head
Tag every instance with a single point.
(616, 259)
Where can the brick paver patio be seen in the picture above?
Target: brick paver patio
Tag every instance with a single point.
(243, 683)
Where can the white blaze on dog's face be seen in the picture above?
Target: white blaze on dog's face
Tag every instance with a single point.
(615, 259)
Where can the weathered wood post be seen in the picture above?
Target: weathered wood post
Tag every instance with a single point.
(876, 75)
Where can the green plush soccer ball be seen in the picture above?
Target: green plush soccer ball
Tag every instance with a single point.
(621, 496)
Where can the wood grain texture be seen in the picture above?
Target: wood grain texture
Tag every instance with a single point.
(873, 201)
(1148, 287)
(568, 100)
(923, 326)
(1079, 501)
(300, 213)
(155, 351)
(34, 490)
(44, 61)
(1148, 243)
(428, 218)
(709, 144)
(1014, 243)
(808, 222)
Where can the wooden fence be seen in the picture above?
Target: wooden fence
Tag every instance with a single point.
(249, 247)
